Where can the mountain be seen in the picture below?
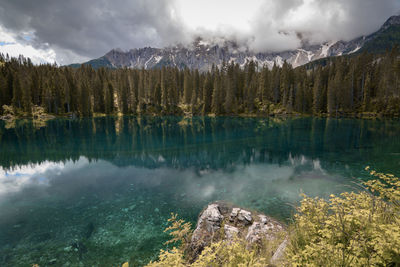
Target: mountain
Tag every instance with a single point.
(384, 39)
(202, 55)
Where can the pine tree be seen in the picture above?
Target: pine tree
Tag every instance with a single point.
(230, 83)
(366, 97)
(275, 84)
(27, 98)
(124, 94)
(286, 83)
(207, 94)
(187, 87)
(173, 89)
(318, 93)
(164, 89)
(98, 92)
(141, 91)
(35, 87)
(132, 92)
(331, 98)
(3, 86)
(109, 98)
(265, 95)
(17, 93)
(216, 95)
(85, 104)
(251, 93)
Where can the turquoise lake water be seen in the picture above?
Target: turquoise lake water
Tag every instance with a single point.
(98, 192)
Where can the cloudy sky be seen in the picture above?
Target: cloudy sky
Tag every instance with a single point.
(68, 31)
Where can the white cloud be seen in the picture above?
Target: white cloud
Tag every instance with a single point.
(213, 15)
(75, 31)
(278, 23)
(10, 45)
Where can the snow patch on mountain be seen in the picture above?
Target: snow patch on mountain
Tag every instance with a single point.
(203, 54)
(325, 48)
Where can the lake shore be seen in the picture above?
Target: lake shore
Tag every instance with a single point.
(46, 116)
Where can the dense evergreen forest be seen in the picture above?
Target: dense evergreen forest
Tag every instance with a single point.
(363, 83)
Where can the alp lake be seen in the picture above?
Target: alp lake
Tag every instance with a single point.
(98, 192)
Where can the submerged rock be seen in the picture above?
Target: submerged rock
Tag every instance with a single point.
(223, 221)
(68, 249)
(80, 248)
(89, 230)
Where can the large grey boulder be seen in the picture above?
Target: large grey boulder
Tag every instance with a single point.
(223, 221)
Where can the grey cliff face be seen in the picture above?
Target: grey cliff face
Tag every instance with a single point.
(202, 56)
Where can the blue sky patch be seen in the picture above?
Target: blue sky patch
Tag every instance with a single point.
(27, 37)
(5, 43)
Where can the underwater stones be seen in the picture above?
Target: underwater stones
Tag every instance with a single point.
(130, 208)
(79, 247)
(223, 221)
(68, 249)
(89, 230)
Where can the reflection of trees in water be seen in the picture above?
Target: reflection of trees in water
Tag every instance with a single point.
(200, 142)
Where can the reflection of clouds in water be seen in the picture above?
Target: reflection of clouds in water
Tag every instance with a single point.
(261, 181)
(17, 178)
(240, 183)
(208, 190)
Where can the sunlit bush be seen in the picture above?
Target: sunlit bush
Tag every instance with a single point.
(217, 254)
(353, 229)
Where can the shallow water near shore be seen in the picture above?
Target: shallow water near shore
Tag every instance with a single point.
(98, 192)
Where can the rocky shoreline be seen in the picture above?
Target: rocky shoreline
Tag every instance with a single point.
(225, 221)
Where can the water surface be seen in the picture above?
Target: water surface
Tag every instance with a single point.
(98, 192)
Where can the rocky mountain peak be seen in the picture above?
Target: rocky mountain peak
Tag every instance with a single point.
(202, 53)
(393, 20)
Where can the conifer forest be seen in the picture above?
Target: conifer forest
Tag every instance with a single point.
(345, 85)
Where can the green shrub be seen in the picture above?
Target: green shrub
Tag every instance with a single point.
(353, 229)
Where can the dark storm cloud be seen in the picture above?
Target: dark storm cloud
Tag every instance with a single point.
(83, 29)
(278, 24)
(90, 28)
